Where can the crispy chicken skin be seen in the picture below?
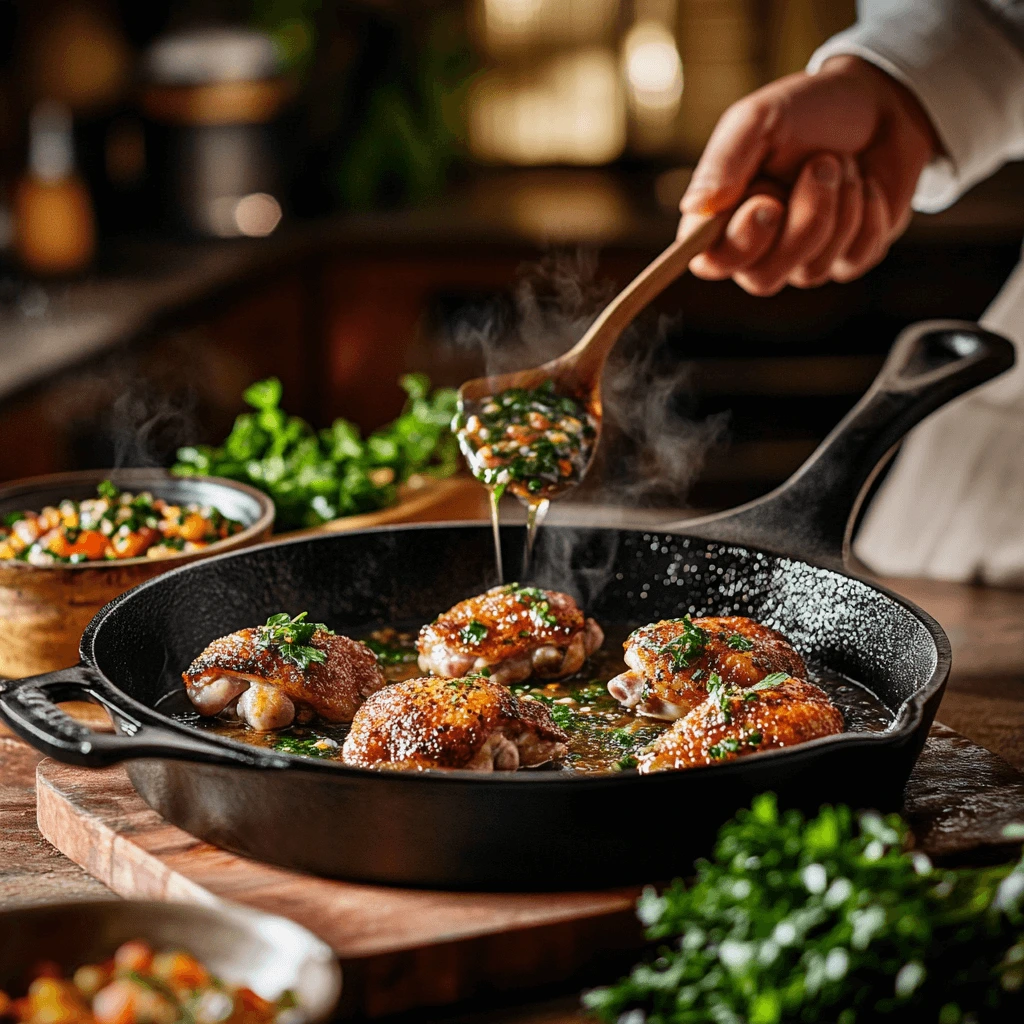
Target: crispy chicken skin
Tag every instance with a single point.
(435, 722)
(670, 662)
(269, 692)
(514, 632)
(733, 722)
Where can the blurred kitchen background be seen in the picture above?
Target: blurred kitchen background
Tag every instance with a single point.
(195, 194)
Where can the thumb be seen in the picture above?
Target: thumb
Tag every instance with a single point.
(734, 154)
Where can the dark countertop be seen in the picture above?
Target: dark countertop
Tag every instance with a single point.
(47, 328)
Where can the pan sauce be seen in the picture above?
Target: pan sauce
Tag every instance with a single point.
(603, 736)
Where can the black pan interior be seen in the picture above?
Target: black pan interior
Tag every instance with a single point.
(145, 639)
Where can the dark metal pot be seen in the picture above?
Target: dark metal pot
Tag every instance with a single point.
(778, 559)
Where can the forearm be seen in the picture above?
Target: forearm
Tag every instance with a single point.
(965, 68)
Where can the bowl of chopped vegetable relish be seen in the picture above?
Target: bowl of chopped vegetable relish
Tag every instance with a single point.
(139, 962)
(71, 542)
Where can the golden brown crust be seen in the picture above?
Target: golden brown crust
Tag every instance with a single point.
(334, 689)
(434, 722)
(507, 613)
(686, 686)
(733, 722)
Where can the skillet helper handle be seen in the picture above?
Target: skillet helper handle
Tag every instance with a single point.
(29, 707)
(811, 516)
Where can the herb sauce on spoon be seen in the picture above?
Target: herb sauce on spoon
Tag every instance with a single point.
(532, 442)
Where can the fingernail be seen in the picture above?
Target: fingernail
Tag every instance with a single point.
(827, 172)
(766, 216)
(698, 200)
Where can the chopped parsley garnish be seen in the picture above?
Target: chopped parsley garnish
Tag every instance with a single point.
(739, 643)
(306, 746)
(473, 632)
(733, 745)
(291, 638)
(769, 681)
(537, 601)
(687, 647)
(721, 694)
(390, 654)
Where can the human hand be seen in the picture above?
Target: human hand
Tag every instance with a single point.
(819, 170)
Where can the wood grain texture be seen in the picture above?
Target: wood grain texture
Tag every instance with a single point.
(402, 947)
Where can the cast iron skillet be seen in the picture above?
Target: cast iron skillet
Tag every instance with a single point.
(778, 559)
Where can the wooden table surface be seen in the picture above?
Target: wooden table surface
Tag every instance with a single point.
(984, 701)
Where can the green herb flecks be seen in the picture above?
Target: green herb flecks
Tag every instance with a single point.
(473, 633)
(769, 681)
(721, 694)
(739, 643)
(827, 919)
(537, 601)
(391, 654)
(291, 637)
(686, 647)
(307, 746)
(733, 744)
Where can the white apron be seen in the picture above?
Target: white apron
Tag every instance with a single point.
(952, 507)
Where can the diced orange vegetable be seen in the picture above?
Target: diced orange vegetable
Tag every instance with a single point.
(135, 955)
(180, 970)
(194, 527)
(134, 544)
(5, 1004)
(538, 420)
(21, 1009)
(565, 467)
(53, 1001)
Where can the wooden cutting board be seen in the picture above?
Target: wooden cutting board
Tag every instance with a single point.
(404, 948)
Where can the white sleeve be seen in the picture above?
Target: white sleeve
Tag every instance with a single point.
(964, 61)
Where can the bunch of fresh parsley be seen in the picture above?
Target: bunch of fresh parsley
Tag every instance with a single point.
(831, 919)
(314, 476)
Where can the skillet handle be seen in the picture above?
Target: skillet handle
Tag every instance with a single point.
(811, 516)
(29, 706)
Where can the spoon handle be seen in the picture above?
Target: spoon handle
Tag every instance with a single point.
(588, 356)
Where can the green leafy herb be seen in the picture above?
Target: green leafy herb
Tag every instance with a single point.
(721, 695)
(537, 601)
(687, 646)
(390, 654)
(769, 681)
(106, 489)
(739, 643)
(473, 633)
(306, 746)
(314, 476)
(830, 919)
(291, 638)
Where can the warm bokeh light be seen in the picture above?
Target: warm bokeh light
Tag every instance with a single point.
(257, 215)
(654, 71)
(571, 110)
(512, 24)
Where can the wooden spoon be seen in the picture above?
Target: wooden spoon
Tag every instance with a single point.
(577, 373)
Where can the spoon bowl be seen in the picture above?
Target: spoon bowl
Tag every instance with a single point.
(577, 373)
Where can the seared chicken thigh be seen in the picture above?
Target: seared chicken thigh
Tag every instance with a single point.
(513, 633)
(780, 711)
(270, 689)
(670, 662)
(471, 723)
